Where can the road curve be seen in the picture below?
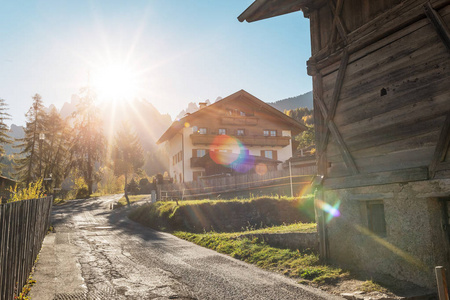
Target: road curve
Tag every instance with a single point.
(97, 253)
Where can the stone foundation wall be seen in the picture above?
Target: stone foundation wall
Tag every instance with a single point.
(415, 241)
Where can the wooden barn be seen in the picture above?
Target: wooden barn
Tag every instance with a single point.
(381, 84)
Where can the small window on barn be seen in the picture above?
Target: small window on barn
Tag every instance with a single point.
(240, 132)
(375, 217)
(202, 130)
(222, 131)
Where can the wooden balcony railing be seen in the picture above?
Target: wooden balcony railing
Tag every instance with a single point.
(249, 121)
(246, 140)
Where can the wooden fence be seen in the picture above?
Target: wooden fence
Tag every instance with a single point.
(280, 179)
(23, 226)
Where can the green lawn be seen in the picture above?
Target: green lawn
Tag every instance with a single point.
(122, 201)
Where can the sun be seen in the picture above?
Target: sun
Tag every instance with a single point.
(115, 81)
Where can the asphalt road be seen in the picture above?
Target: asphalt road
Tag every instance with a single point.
(97, 253)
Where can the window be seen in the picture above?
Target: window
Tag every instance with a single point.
(242, 113)
(202, 130)
(268, 154)
(240, 132)
(270, 132)
(375, 217)
(222, 131)
(200, 152)
(272, 154)
(177, 158)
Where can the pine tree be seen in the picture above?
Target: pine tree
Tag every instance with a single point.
(28, 166)
(128, 155)
(88, 146)
(4, 137)
(55, 149)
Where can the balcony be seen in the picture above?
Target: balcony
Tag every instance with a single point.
(258, 140)
(202, 139)
(239, 120)
(253, 140)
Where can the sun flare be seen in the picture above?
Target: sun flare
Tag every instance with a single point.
(116, 82)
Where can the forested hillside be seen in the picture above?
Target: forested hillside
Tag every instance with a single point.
(305, 100)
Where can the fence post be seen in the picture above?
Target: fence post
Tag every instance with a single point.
(441, 283)
(290, 178)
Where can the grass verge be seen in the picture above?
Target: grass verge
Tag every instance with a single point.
(122, 201)
(295, 264)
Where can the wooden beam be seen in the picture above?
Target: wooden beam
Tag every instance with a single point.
(337, 21)
(441, 147)
(439, 24)
(348, 159)
(335, 96)
(338, 85)
(397, 176)
(319, 126)
(321, 225)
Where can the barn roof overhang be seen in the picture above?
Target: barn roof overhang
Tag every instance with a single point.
(264, 9)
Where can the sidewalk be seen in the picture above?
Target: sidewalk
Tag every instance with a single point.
(57, 270)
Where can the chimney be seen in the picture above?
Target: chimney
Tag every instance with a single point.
(202, 105)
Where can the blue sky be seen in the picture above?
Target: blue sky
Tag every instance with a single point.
(181, 50)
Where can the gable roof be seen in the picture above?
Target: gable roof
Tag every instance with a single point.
(264, 9)
(176, 126)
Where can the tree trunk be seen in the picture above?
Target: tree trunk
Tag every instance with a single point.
(125, 191)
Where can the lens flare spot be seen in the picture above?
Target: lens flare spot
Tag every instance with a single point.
(332, 211)
(261, 169)
(229, 152)
(187, 125)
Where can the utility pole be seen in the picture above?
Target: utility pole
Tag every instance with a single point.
(41, 139)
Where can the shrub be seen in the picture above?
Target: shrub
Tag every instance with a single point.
(82, 193)
(145, 187)
(226, 216)
(32, 191)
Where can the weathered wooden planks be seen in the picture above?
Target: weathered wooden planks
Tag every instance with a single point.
(386, 24)
(378, 178)
(392, 161)
(424, 140)
(414, 68)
